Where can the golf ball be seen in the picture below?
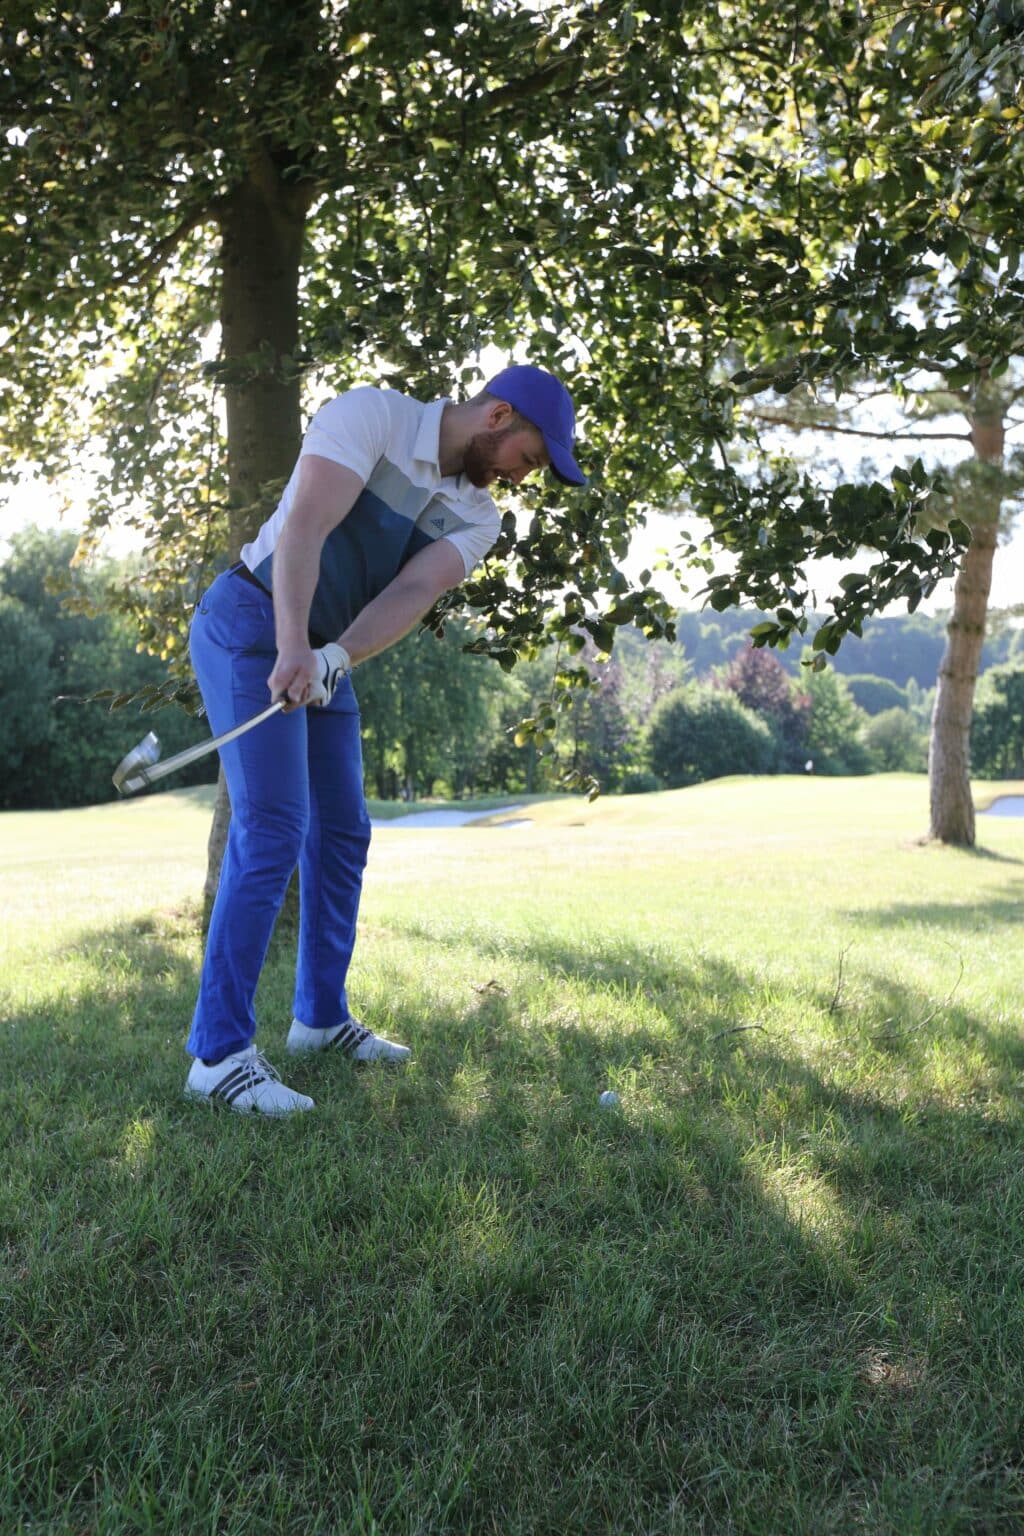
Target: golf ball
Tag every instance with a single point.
(608, 1099)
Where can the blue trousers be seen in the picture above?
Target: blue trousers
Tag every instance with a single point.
(296, 787)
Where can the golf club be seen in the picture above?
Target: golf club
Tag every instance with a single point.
(141, 766)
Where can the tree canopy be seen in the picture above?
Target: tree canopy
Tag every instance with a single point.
(672, 205)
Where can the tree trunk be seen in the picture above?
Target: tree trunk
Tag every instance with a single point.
(262, 228)
(949, 782)
(215, 846)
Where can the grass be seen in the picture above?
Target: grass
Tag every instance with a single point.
(780, 1291)
(393, 810)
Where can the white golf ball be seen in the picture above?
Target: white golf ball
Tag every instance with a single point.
(609, 1100)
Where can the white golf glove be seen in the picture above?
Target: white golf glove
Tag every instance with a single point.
(333, 663)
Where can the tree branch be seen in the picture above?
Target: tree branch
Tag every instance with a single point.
(796, 425)
(165, 248)
(528, 85)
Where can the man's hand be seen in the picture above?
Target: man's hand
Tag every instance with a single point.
(295, 671)
(306, 676)
(333, 663)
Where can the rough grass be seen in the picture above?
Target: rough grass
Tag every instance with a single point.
(779, 1291)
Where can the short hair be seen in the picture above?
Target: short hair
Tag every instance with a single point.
(486, 398)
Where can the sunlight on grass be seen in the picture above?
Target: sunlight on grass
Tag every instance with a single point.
(469, 1092)
(138, 1145)
(776, 1289)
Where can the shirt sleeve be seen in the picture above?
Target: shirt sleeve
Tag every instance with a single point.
(475, 540)
(352, 430)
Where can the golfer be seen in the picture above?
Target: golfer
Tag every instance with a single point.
(387, 507)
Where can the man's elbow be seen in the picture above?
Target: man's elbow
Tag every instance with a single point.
(426, 593)
(435, 575)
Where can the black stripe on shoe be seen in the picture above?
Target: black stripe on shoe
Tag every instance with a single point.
(234, 1083)
(349, 1038)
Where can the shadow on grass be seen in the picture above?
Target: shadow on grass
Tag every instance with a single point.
(1006, 910)
(700, 998)
(462, 1297)
(979, 851)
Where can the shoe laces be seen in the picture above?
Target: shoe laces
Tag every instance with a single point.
(258, 1070)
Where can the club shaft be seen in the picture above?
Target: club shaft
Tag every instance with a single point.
(144, 776)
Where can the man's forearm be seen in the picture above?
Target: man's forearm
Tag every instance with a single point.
(296, 571)
(387, 618)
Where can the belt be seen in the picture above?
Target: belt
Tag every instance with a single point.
(241, 569)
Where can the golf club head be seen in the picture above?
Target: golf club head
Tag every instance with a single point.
(129, 775)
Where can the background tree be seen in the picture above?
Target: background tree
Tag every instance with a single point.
(649, 672)
(997, 729)
(760, 682)
(953, 315)
(597, 738)
(983, 495)
(75, 652)
(698, 733)
(835, 726)
(875, 694)
(327, 193)
(24, 686)
(429, 711)
(895, 742)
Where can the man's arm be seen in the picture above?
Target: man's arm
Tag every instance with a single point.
(404, 601)
(325, 494)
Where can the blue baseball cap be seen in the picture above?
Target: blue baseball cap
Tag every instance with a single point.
(544, 401)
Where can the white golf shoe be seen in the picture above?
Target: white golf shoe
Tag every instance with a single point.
(349, 1038)
(247, 1083)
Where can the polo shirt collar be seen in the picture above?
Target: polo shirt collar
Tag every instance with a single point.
(427, 446)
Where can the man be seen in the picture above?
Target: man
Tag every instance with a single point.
(388, 507)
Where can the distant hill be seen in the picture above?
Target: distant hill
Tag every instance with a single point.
(897, 647)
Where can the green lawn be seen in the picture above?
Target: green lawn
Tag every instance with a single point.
(393, 810)
(781, 1291)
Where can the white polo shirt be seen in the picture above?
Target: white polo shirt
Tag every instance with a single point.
(391, 442)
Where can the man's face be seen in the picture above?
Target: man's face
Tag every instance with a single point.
(504, 453)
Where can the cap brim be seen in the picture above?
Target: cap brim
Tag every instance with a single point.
(563, 465)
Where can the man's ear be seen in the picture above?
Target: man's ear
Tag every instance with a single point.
(499, 415)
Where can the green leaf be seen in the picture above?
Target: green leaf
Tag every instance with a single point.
(899, 32)
(958, 248)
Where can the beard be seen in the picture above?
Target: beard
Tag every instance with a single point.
(478, 461)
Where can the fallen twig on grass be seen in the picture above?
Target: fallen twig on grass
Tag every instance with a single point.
(491, 986)
(737, 1029)
(913, 1029)
(837, 996)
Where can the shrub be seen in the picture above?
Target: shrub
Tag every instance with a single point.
(641, 782)
(896, 742)
(700, 733)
